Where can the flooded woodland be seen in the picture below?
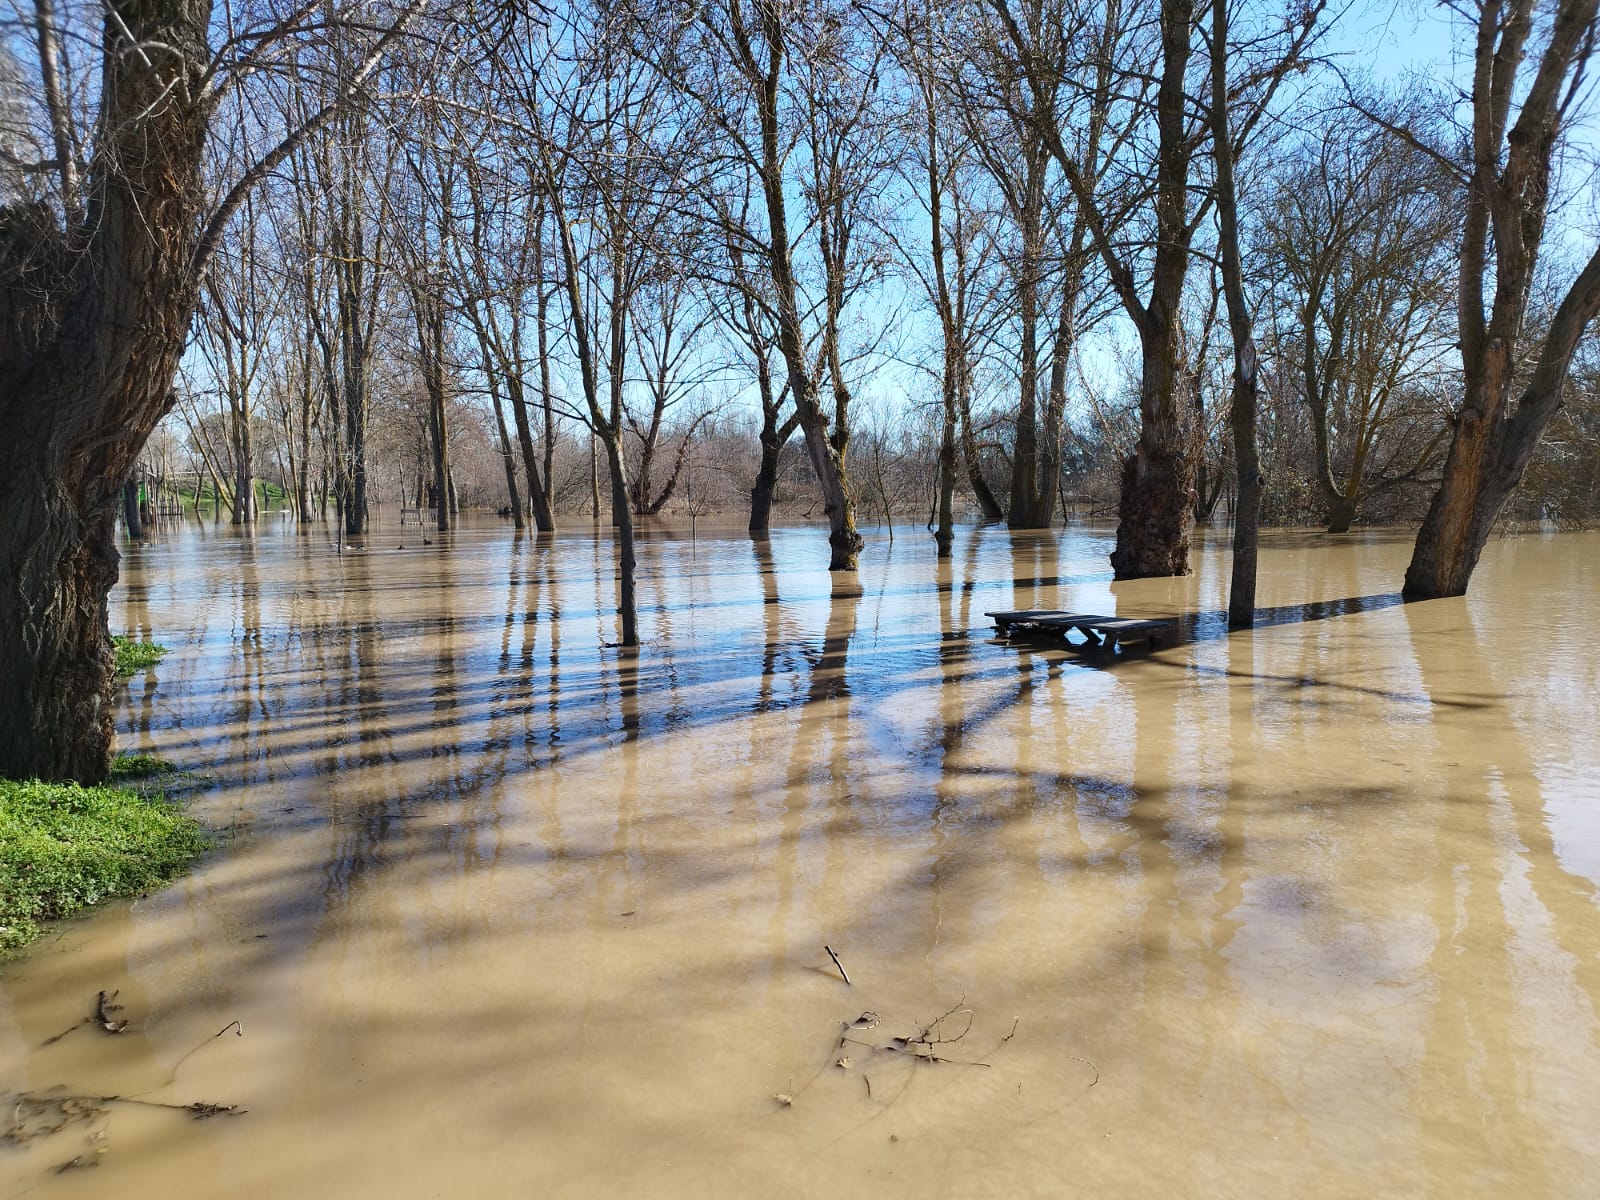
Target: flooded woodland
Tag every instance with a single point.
(496, 909)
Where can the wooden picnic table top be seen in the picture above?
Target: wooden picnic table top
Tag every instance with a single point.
(1086, 623)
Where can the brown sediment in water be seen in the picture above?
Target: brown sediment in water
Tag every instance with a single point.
(1305, 911)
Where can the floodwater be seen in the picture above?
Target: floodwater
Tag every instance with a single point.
(1309, 911)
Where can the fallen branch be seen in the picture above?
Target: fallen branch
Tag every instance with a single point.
(838, 964)
(104, 1006)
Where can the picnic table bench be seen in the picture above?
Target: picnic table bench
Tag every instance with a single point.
(1098, 632)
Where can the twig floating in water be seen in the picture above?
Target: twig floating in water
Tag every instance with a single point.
(840, 965)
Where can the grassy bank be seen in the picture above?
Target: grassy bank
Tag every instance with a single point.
(65, 847)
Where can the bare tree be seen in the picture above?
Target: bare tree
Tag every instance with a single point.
(790, 90)
(1156, 512)
(1358, 240)
(1508, 166)
(669, 325)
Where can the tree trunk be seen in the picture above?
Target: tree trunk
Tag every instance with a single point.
(538, 489)
(1024, 498)
(1156, 511)
(622, 521)
(1341, 514)
(827, 461)
(55, 710)
(130, 509)
(774, 437)
(353, 486)
(507, 459)
(775, 433)
(1247, 513)
(244, 484)
(542, 320)
(982, 493)
(944, 536)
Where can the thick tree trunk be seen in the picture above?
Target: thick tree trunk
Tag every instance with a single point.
(1156, 512)
(1157, 505)
(761, 493)
(55, 710)
(1341, 513)
(1484, 466)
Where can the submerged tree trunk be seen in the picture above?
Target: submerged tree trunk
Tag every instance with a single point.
(827, 457)
(1247, 511)
(538, 489)
(774, 437)
(130, 509)
(1156, 511)
(244, 483)
(622, 522)
(507, 459)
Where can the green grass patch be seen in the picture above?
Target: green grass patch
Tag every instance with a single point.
(64, 847)
(141, 766)
(131, 656)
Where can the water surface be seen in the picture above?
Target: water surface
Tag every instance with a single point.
(502, 911)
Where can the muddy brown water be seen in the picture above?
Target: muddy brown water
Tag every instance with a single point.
(1307, 911)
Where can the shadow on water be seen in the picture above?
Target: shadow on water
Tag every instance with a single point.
(1213, 624)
